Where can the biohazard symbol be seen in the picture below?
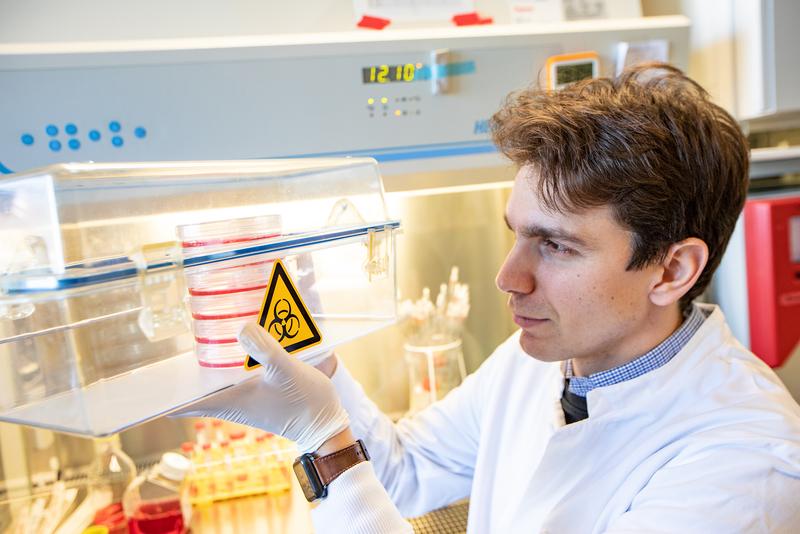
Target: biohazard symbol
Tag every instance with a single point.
(285, 316)
(285, 324)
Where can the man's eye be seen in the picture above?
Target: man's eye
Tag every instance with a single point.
(557, 248)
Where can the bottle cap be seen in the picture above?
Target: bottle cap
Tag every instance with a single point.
(174, 466)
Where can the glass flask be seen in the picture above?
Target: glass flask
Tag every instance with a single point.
(111, 472)
(434, 370)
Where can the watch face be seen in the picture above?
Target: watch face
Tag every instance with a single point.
(308, 478)
(300, 473)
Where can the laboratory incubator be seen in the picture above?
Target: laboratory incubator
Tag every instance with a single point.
(124, 285)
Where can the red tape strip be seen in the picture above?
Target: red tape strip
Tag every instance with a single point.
(471, 19)
(373, 23)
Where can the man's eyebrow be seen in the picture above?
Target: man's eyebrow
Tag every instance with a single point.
(536, 230)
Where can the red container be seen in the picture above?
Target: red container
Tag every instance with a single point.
(163, 517)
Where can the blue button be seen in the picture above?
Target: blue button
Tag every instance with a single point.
(52, 130)
(55, 145)
(27, 139)
(94, 135)
(74, 144)
(71, 129)
(140, 132)
(114, 126)
(117, 141)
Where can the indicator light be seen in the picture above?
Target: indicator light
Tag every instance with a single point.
(384, 100)
(397, 113)
(370, 101)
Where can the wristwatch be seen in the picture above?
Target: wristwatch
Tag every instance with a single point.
(315, 472)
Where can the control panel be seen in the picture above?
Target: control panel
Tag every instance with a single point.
(409, 96)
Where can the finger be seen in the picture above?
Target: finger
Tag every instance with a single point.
(205, 408)
(215, 403)
(263, 347)
(209, 405)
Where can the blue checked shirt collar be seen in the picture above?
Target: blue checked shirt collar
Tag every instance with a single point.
(664, 352)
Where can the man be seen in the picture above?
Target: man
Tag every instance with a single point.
(620, 405)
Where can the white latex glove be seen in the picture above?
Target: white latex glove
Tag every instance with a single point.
(291, 399)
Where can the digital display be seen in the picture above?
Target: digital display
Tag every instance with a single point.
(573, 73)
(794, 238)
(389, 73)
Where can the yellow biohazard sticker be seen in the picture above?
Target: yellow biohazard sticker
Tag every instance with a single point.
(285, 316)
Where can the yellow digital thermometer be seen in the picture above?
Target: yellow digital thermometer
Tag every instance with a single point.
(565, 69)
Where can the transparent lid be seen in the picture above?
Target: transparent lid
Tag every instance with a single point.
(102, 271)
(81, 216)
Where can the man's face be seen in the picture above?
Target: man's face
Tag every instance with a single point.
(568, 287)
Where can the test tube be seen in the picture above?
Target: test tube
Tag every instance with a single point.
(219, 433)
(225, 470)
(239, 462)
(238, 443)
(207, 488)
(188, 449)
(279, 474)
(262, 453)
(201, 436)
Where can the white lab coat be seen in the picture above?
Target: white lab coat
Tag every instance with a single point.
(709, 442)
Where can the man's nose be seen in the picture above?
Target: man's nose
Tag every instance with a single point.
(516, 275)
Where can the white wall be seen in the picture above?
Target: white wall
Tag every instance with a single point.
(711, 61)
(90, 20)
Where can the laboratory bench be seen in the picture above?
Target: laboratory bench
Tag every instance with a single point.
(290, 513)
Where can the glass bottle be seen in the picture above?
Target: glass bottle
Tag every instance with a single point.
(111, 472)
(157, 502)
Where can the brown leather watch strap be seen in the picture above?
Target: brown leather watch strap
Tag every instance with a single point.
(332, 465)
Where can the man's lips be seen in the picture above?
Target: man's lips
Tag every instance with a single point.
(528, 322)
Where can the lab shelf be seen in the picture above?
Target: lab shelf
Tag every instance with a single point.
(114, 404)
(774, 161)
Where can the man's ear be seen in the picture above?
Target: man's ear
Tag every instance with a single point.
(682, 266)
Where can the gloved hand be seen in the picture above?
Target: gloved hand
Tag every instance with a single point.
(291, 399)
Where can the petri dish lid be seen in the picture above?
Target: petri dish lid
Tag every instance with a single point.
(229, 231)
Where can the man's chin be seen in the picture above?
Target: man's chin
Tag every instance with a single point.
(539, 349)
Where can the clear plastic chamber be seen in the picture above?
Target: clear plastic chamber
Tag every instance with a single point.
(107, 310)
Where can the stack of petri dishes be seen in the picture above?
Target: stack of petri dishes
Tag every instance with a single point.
(225, 295)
